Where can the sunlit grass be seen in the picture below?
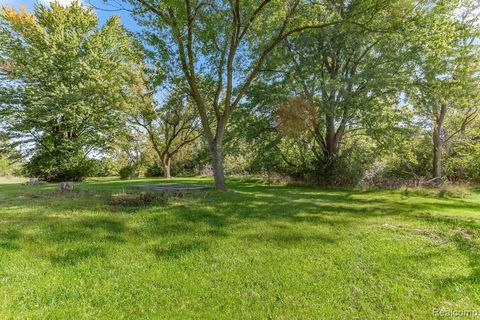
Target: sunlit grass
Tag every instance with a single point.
(256, 251)
(8, 180)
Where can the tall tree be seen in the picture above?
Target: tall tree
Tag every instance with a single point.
(63, 77)
(446, 81)
(227, 43)
(340, 81)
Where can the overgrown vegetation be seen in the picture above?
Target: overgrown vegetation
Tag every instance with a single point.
(140, 199)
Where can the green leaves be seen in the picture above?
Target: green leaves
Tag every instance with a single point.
(65, 78)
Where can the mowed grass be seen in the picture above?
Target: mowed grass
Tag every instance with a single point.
(254, 252)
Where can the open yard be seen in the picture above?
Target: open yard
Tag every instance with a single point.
(366, 111)
(257, 251)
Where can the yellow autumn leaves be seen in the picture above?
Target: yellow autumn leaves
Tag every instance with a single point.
(17, 17)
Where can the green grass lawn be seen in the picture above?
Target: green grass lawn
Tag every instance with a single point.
(254, 252)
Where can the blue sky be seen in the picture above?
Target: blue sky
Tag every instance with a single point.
(102, 8)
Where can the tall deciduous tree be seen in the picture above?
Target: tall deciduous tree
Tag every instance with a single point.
(62, 79)
(227, 43)
(346, 78)
(446, 80)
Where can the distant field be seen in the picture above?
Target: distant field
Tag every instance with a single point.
(254, 252)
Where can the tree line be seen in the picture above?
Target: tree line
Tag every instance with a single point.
(331, 92)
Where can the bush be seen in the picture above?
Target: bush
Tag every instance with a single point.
(154, 171)
(464, 164)
(9, 167)
(342, 172)
(57, 166)
(128, 172)
(100, 168)
(411, 161)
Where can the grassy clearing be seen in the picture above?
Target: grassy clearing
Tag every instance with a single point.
(255, 252)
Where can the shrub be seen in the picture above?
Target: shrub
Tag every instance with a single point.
(57, 166)
(464, 163)
(343, 172)
(100, 168)
(154, 171)
(411, 161)
(128, 172)
(9, 167)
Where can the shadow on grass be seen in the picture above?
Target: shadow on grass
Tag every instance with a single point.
(178, 250)
(285, 238)
(8, 239)
(72, 256)
(451, 284)
(71, 239)
(211, 216)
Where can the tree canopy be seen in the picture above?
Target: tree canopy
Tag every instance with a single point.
(329, 92)
(63, 80)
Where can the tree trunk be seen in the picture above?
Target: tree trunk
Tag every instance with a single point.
(166, 167)
(330, 151)
(437, 154)
(437, 140)
(217, 166)
(330, 139)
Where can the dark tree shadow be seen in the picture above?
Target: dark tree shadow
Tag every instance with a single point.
(71, 257)
(178, 250)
